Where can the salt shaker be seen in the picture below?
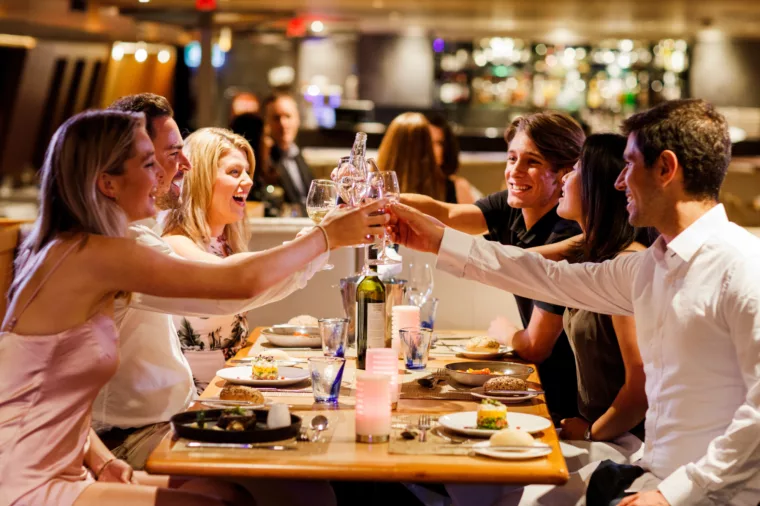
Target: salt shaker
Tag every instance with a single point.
(278, 416)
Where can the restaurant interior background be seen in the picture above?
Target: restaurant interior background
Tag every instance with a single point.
(355, 65)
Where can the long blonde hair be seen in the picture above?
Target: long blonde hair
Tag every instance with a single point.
(205, 148)
(84, 147)
(407, 149)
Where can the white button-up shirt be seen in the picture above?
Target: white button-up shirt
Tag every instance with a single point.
(696, 302)
(154, 380)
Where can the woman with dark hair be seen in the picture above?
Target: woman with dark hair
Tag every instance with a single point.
(446, 149)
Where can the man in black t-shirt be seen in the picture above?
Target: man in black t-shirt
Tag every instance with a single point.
(541, 148)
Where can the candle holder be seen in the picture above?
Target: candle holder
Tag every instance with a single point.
(373, 407)
(385, 361)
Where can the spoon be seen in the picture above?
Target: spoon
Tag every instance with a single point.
(318, 424)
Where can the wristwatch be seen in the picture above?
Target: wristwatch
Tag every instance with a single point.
(587, 434)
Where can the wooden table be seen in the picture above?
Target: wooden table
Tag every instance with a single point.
(348, 460)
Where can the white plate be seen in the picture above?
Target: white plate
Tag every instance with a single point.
(503, 398)
(503, 350)
(290, 341)
(466, 423)
(243, 376)
(484, 448)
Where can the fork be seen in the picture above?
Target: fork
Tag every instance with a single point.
(424, 424)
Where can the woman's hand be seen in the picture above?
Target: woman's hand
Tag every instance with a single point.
(414, 229)
(358, 225)
(116, 471)
(573, 429)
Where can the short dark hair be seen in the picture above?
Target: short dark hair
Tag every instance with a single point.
(450, 164)
(275, 96)
(152, 105)
(557, 136)
(695, 132)
(606, 218)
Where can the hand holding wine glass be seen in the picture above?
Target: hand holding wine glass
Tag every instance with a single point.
(322, 198)
(382, 184)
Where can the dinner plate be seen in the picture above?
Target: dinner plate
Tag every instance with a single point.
(293, 336)
(480, 393)
(243, 376)
(466, 423)
(186, 425)
(484, 355)
(484, 448)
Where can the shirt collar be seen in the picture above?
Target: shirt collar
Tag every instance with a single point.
(540, 230)
(687, 243)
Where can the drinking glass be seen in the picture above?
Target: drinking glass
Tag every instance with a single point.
(322, 198)
(382, 184)
(420, 285)
(334, 333)
(427, 312)
(326, 376)
(415, 343)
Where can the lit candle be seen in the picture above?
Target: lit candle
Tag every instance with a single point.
(403, 317)
(385, 361)
(373, 407)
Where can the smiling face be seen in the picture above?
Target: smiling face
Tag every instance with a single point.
(531, 180)
(640, 187)
(173, 164)
(135, 190)
(230, 190)
(571, 202)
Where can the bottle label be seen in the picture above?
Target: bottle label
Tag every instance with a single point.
(375, 325)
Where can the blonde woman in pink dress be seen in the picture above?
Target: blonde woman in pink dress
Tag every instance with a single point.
(58, 342)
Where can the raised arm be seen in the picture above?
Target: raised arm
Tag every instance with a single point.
(466, 218)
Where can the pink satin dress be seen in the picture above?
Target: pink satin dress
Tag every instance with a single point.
(48, 384)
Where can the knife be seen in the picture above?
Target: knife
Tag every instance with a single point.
(241, 446)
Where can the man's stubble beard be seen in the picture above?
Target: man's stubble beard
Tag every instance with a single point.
(168, 201)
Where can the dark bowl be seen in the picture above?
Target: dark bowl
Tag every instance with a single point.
(261, 434)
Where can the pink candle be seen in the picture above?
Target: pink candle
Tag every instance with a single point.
(385, 361)
(373, 407)
(403, 317)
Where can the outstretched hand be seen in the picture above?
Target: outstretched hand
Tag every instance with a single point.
(414, 229)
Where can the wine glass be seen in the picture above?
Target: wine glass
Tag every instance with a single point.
(383, 184)
(322, 198)
(420, 285)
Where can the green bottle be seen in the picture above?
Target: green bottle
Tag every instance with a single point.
(370, 316)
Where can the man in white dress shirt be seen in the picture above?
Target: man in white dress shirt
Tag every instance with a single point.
(695, 295)
(154, 380)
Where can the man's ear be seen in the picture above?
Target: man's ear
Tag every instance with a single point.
(667, 167)
(107, 185)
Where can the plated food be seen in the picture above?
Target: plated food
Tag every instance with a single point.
(293, 336)
(482, 343)
(492, 415)
(482, 347)
(505, 383)
(512, 444)
(241, 393)
(475, 374)
(235, 425)
(265, 368)
(304, 320)
(466, 423)
(243, 375)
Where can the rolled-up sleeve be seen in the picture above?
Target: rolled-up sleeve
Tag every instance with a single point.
(602, 288)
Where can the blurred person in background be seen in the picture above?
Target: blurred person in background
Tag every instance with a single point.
(288, 168)
(252, 128)
(446, 149)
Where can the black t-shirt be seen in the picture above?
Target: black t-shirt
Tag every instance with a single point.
(507, 226)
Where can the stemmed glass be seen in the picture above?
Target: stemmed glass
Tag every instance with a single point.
(420, 285)
(382, 184)
(322, 198)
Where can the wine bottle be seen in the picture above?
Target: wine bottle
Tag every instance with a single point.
(358, 151)
(370, 316)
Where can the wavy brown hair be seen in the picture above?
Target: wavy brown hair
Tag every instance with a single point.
(205, 148)
(557, 136)
(407, 149)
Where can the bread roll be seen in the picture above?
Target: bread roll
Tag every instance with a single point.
(511, 437)
(505, 383)
(304, 320)
(241, 393)
(484, 344)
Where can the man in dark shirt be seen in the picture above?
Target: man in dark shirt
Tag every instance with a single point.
(541, 147)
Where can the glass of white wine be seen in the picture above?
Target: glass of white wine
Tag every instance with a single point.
(322, 198)
(383, 184)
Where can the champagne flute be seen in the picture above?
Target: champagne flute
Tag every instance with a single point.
(383, 184)
(322, 198)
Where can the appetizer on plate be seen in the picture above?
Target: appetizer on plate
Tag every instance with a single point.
(483, 344)
(505, 383)
(485, 371)
(492, 415)
(246, 393)
(265, 368)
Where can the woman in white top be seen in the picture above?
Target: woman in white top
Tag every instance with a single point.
(210, 225)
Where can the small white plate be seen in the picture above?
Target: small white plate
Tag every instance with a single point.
(466, 423)
(480, 393)
(483, 355)
(243, 376)
(292, 341)
(484, 448)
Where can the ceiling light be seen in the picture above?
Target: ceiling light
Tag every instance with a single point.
(144, 1)
(141, 55)
(317, 26)
(164, 56)
(117, 53)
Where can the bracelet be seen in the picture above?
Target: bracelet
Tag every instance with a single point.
(103, 467)
(324, 232)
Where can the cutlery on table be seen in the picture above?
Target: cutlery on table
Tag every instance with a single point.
(241, 446)
(318, 424)
(438, 431)
(424, 424)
